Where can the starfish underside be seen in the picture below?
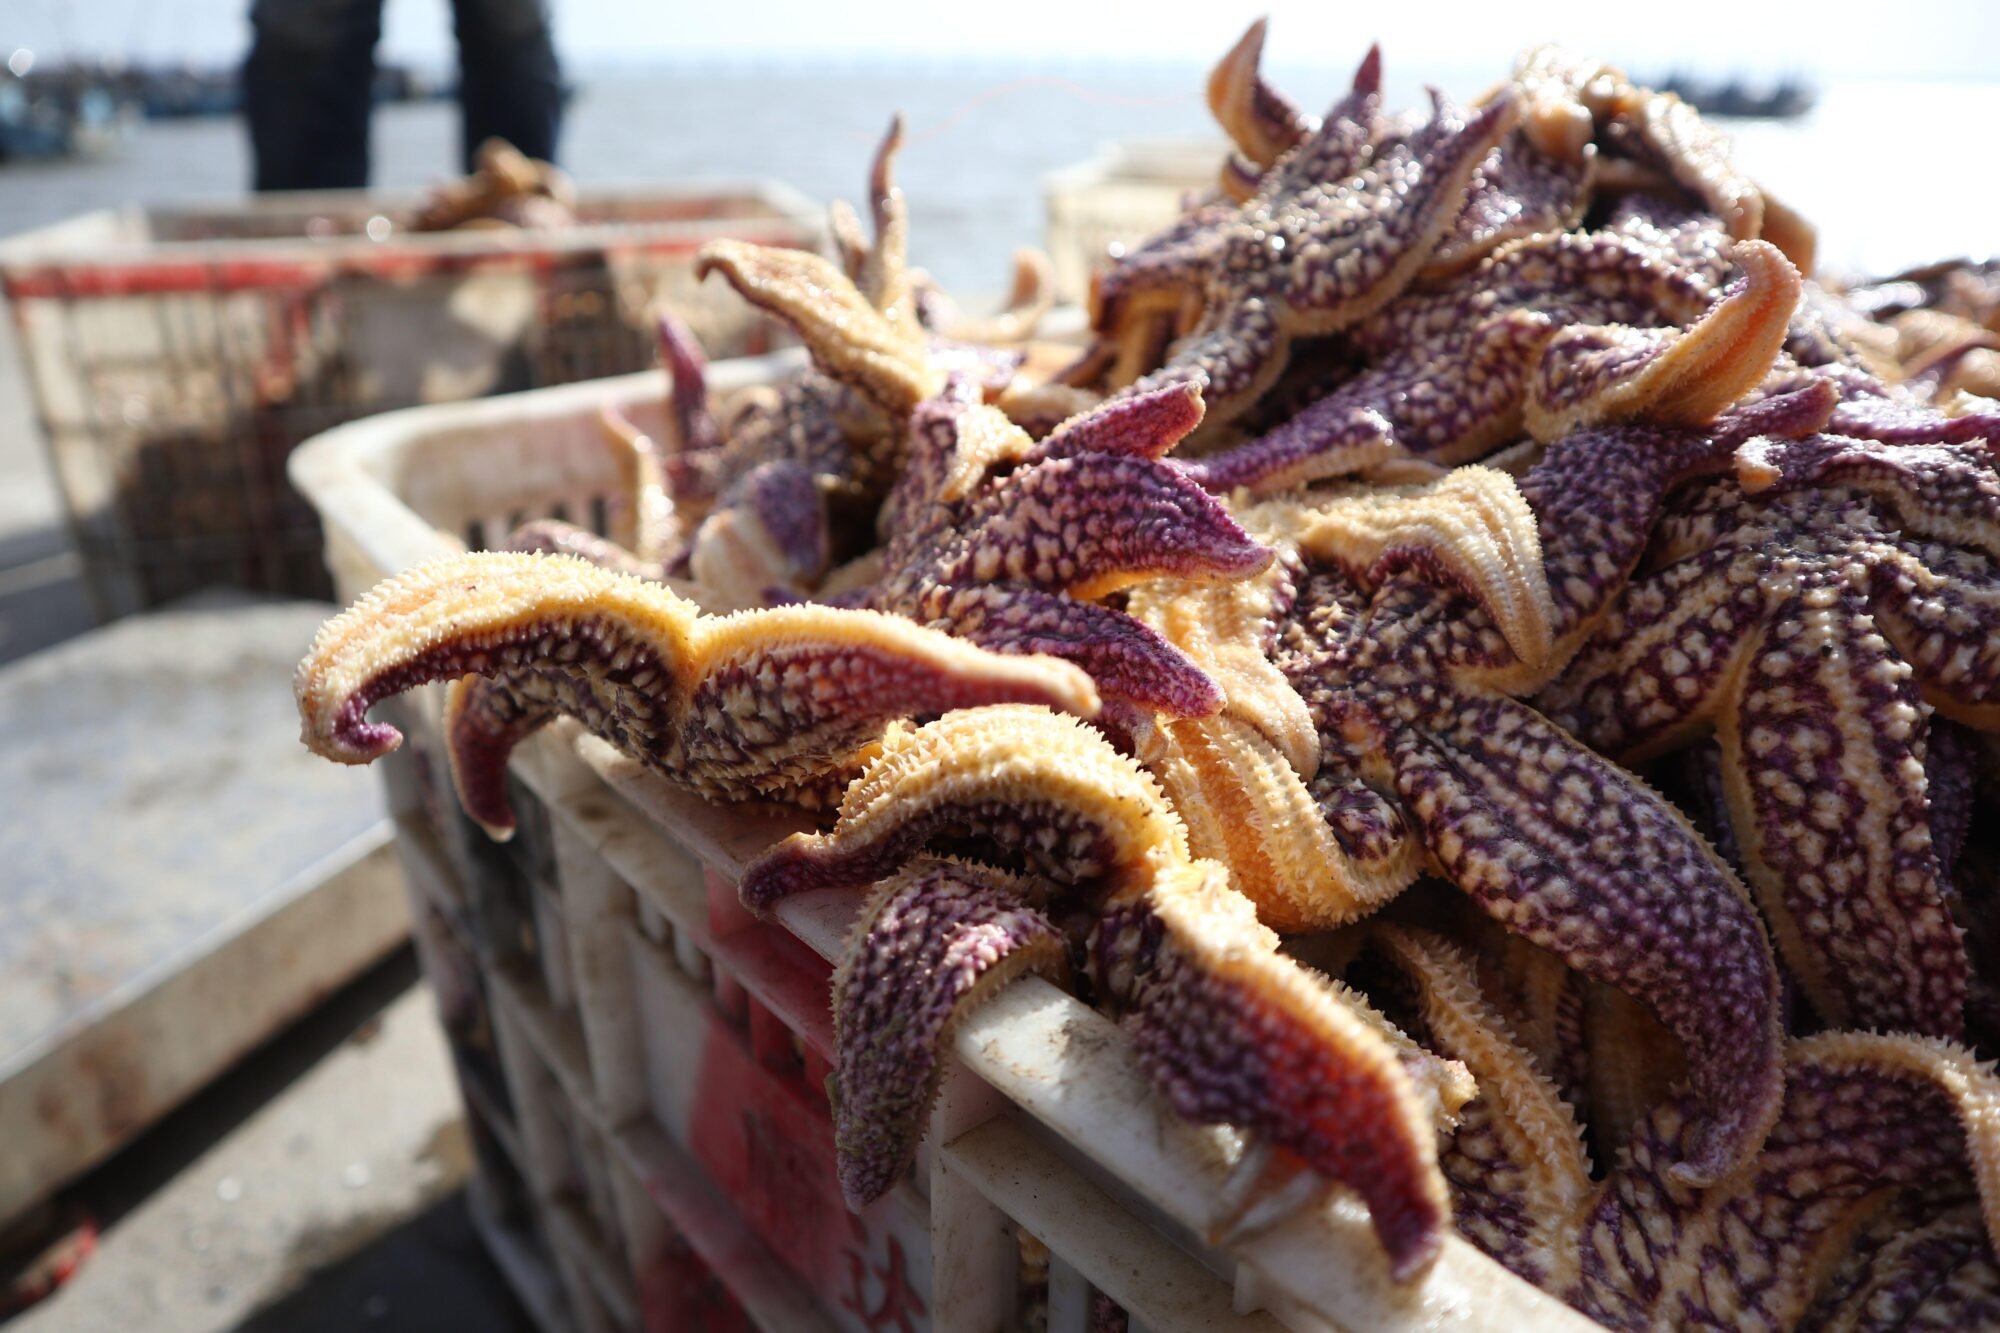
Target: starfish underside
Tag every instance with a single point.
(780, 704)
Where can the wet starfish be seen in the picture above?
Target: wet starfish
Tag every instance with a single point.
(1368, 732)
(1056, 820)
(1814, 627)
(782, 704)
(1003, 540)
(1865, 1118)
(1555, 332)
(1341, 224)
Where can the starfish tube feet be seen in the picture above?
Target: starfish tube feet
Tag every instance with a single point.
(936, 940)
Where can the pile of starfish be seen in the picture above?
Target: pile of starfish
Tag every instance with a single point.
(1481, 665)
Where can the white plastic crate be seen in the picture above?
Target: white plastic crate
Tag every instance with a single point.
(1120, 197)
(668, 1119)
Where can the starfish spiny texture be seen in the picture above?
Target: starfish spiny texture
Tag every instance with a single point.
(1338, 227)
(1557, 332)
(1813, 627)
(1227, 1028)
(781, 704)
(1423, 758)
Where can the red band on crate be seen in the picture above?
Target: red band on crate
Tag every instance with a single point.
(766, 1140)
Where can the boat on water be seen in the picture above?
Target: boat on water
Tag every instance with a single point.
(81, 107)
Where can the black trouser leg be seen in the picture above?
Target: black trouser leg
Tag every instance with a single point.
(509, 84)
(307, 86)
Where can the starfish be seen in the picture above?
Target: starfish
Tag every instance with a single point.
(506, 189)
(1228, 1029)
(1003, 540)
(1517, 191)
(1340, 225)
(1555, 332)
(787, 488)
(1863, 1115)
(1865, 1119)
(1814, 626)
(782, 704)
(1570, 104)
(1402, 625)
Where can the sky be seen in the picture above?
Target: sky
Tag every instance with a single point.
(1943, 39)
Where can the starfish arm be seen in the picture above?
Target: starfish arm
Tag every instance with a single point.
(1862, 1113)
(1136, 302)
(1941, 608)
(1036, 788)
(1313, 254)
(1518, 191)
(1822, 744)
(1911, 1269)
(687, 374)
(1095, 524)
(848, 237)
(768, 531)
(1667, 132)
(1472, 531)
(1228, 627)
(884, 279)
(1447, 400)
(1632, 1064)
(782, 503)
(1657, 669)
(1262, 121)
(1571, 851)
(1669, 376)
(655, 527)
(1127, 660)
(1341, 145)
(1233, 1033)
(1140, 425)
(1350, 265)
(1246, 807)
(734, 707)
(1515, 1160)
(1948, 493)
(1598, 492)
(936, 940)
(850, 340)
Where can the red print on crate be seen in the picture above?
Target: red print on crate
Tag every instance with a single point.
(766, 1140)
(900, 1307)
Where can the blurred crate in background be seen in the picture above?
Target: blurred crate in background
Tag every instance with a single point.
(177, 356)
(1121, 197)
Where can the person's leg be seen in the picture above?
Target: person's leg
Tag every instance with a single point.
(509, 85)
(307, 87)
